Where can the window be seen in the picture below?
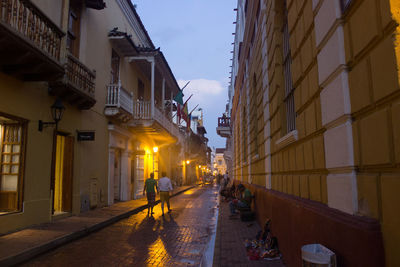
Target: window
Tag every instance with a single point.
(114, 67)
(219, 162)
(12, 141)
(289, 89)
(74, 25)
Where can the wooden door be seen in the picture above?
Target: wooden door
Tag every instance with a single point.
(140, 90)
(117, 174)
(133, 171)
(68, 174)
(139, 177)
(74, 25)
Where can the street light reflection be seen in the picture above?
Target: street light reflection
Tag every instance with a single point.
(189, 192)
(158, 252)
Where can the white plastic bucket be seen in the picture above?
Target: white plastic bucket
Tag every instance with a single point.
(316, 255)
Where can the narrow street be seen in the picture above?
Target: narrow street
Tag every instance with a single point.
(177, 239)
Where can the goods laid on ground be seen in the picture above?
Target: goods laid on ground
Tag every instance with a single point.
(264, 247)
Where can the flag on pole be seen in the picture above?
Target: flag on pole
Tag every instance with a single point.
(179, 97)
(184, 110)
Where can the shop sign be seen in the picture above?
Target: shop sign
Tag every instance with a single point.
(86, 135)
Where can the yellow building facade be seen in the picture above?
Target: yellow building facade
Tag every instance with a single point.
(94, 61)
(314, 116)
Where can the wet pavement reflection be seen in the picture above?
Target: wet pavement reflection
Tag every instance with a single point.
(176, 239)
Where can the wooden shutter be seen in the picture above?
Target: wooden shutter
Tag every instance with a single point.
(11, 156)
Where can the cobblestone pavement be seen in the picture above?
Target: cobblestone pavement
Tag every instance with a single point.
(229, 243)
(177, 239)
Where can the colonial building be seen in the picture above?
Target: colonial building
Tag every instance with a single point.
(219, 161)
(315, 123)
(85, 109)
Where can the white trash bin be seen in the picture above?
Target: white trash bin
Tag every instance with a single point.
(316, 255)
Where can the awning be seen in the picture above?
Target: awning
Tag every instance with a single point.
(122, 43)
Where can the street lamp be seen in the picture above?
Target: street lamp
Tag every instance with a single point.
(188, 162)
(57, 111)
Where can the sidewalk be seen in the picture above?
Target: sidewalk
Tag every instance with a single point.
(23, 245)
(229, 242)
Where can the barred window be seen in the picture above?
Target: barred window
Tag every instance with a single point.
(289, 89)
(12, 141)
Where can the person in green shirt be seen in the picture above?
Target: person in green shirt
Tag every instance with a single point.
(150, 189)
(243, 202)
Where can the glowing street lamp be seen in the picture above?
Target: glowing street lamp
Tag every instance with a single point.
(187, 162)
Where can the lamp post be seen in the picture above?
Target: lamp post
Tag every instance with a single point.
(57, 111)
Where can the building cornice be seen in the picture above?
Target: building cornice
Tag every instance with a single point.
(135, 22)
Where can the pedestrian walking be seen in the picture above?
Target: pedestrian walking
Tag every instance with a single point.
(150, 189)
(165, 186)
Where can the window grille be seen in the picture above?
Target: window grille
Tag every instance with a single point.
(289, 89)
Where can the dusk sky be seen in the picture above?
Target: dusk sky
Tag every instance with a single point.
(195, 37)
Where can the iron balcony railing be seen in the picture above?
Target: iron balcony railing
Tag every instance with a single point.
(24, 18)
(224, 122)
(118, 97)
(80, 76)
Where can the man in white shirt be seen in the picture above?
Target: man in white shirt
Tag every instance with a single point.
(164, 186)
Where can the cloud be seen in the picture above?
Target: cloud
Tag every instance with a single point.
(202, 87)
(212, 97)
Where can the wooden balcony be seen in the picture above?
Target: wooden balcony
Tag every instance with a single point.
(30, 42)
(119, 103)
(157, 126)
(77, 86)
(224, 127)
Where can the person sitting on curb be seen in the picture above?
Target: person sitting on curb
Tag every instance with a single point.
(243, 201)
(165, 186)
(149, 187)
